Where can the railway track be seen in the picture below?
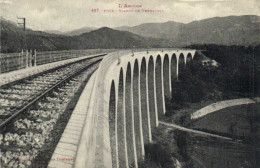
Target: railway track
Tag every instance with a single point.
(30, 109)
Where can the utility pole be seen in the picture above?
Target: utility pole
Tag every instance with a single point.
(24, 29)
(1, 27)
(23, 23)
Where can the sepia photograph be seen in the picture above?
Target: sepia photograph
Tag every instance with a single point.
(129, 83)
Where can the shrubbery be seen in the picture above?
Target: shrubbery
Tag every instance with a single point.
(240, 67)
(159, 154)
(193, 85)
(237, 76)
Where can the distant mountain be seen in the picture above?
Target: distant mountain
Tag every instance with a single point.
(53, 32)
(79, 31)
(109, 38)
(231, 30)
(13, 39)
(168, 30)
(75, 32)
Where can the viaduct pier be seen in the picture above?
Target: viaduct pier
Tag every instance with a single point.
(126, 99)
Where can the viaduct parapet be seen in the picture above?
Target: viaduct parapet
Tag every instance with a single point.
(126, 100)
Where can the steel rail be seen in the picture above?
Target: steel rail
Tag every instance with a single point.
(46, 71)
(28, 105)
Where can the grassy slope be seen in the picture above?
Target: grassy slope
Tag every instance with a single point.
(240, 122)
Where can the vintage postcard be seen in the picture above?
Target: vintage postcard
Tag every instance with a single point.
(129, 83)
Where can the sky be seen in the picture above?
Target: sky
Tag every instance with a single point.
(66, 15)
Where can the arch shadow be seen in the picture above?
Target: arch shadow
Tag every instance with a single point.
(137, 113)
(129, 118)
(143, 97)
(189, 58)
(159, 86)
(151, 93)
(174, 67)
(121, 132)
(166, 76)
(112, 125)
(181, 65)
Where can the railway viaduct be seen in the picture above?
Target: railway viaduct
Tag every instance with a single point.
(127, 97)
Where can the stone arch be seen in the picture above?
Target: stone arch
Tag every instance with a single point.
(151, 93)
(121, 129)
(181, 64)
(174, 66)
(166, 76)
(181, 59)
(100, 123)
(137, 113)
(112, 124)
(189, 58)
(129, 118)
(144, 107)
(159, 86)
